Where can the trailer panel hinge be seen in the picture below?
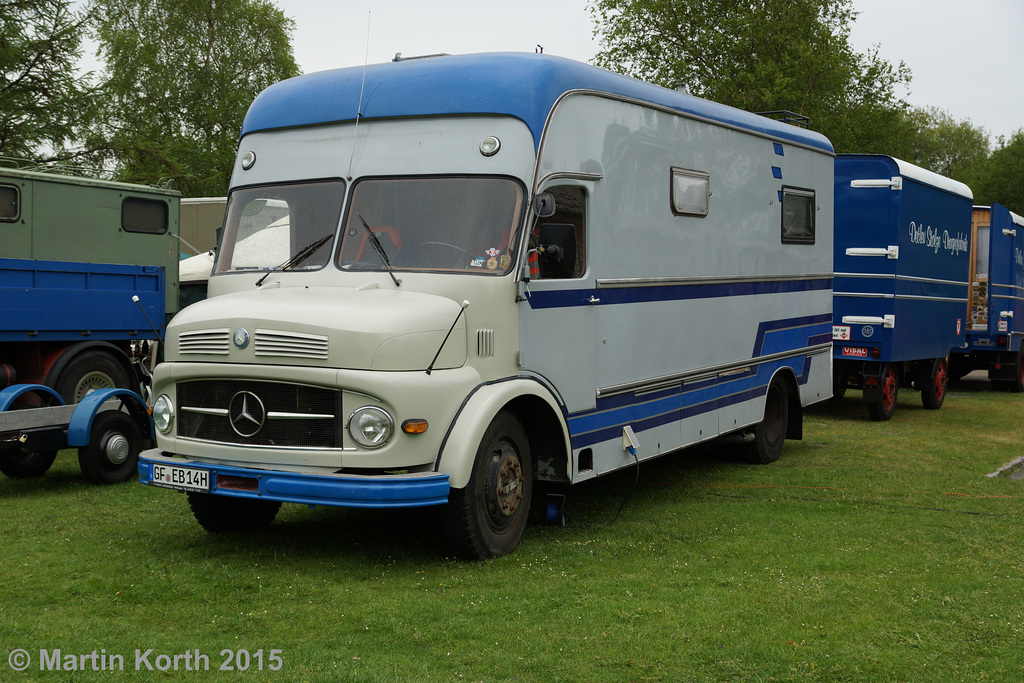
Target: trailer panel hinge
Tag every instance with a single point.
(1005, 314)
(1009, 233)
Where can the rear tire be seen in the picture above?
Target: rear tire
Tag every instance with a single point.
(112, 455)
(27, 465)
(933, 384)
(225, 514)
(88, 371)
(881, 411)
(770, 432)
(487, 517)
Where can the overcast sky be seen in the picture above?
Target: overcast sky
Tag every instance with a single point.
(967, 58)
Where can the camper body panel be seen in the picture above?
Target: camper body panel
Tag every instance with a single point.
(666, 329)
(902, 254)
(597, 359)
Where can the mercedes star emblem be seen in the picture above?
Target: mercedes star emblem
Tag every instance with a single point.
(247, 413)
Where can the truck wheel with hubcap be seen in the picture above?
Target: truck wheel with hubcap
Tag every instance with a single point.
(770, 432)
(933, 380)
(487, 517)
(882, 410)
(88, 371)
(224, 514)
(112, 455)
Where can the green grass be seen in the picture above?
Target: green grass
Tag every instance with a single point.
(869, 551)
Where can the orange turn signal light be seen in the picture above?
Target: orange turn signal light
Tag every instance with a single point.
(414, 426)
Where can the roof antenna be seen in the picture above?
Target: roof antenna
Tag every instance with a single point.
(359, 107)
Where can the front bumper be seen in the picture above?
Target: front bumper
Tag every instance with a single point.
(340, 490)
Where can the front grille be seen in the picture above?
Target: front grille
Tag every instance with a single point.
(258, 413)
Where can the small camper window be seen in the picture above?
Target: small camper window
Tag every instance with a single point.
(144, 215)
(9, 210)
(797, 216)
(690, 192)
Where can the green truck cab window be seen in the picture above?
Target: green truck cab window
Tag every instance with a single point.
(9, 205)
(144, 215)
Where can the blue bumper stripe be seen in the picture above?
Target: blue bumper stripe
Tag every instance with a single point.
(385, 491)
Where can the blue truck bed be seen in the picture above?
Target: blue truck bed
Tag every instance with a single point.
(62, 300)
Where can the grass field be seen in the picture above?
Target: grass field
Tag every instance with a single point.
(868, 552)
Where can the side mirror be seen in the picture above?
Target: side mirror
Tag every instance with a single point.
(544, 205)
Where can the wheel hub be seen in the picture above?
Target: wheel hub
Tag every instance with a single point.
(117, 448)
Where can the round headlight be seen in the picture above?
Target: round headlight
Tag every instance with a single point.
(248, 160)
(490, 146)
(371, 427)
(163, 413)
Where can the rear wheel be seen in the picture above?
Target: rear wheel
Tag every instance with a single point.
(933, 383)
(112, 455)
(883, 409)
(30, 465)
(224, 514)
(487, 517)
(770, 432)
(88, 371)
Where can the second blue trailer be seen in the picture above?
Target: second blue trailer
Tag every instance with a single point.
(901, 263)
(995, 329)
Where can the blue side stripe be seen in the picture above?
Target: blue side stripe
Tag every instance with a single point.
(568, 298)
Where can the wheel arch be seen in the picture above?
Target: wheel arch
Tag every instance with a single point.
(795, 412)
(539, 412)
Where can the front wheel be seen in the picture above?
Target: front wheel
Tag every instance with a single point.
(487, 517)
(224, 514)
(770, 432)
(933, 384)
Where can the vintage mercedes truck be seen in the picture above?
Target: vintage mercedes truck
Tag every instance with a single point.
(444, 279)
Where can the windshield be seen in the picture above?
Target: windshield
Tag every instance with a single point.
(265, 227)
(451, 224)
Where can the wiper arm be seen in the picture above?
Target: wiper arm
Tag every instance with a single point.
(300, 256)
(380, 250)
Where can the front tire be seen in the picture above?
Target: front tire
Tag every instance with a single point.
(225, 514)
(487, 517)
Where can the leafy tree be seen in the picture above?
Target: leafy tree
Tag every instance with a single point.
(760, 55)
(1001, 178)
(180, 75)
(41, 100)
(955, 149)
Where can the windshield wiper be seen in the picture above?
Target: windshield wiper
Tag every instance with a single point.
(300, 256)
(380, 250)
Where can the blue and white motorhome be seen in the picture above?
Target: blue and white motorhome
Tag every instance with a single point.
(443, 279)
(995, 329)
(902, 255)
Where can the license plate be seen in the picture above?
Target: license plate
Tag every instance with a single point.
(183, 478)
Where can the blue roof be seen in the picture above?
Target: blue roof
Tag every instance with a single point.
(523, 85)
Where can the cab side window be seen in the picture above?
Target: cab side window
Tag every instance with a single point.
(561, 239)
